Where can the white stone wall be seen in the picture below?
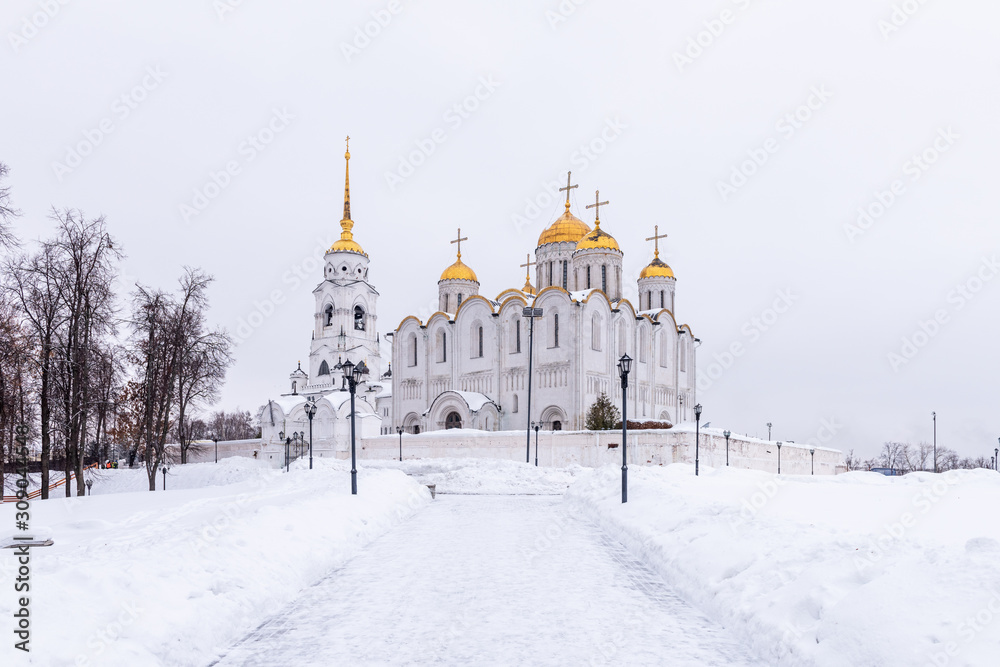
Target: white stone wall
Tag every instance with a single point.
(595, 449)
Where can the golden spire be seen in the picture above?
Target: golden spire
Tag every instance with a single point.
(657, 268)
(347, 182)
(528, 287)
(347, 242)
(598, 204)
(458, 270)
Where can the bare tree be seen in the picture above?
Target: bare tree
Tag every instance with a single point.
(31, 282)
(203, 356)
(7, 211)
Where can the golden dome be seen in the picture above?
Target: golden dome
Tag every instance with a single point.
(459, 271)
(568, 228)
(598, 239)
(657, 269)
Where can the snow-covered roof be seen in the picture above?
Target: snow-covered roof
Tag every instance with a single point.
(475, 400)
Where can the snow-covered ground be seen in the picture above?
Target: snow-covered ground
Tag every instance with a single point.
(858, 569)
(854, 570)
(170, 578)
(484, 476)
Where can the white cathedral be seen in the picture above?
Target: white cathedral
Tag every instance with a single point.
(467, 365)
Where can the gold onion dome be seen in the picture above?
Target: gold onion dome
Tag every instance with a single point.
(568, 228)
(657, 269)
(346, 243)
(459, 271)
(598, 239)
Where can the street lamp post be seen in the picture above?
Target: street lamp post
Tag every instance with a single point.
(812, 453)
(531, 314)
(697, 436)
(934, 415)
(769, 431)
(779, 458)
(353, 376)
(216, 441)
(399, 430)
(288, 454)
(727, 434)
(996, 456)
(624, 367)
(537, 425)
(164, 477)
(310, 413)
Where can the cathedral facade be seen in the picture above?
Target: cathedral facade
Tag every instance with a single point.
(467, 366)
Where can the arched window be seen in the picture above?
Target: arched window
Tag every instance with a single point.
(621, 340)
(588, 277)
(595, 332)
(453, 420)
(643, 345)
(662, 300)
(557, 425)
(684, 357)
(359, 318)
(329, 316)
(604, 278)
(515, 403)
(413, 349)
(443, 346)
(555, 330)
(664, 343)
(459, 302)
(480, 355)
(517, 336)
(444, 306)
(565, 282)
(324, 368)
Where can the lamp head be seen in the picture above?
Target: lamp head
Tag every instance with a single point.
(281, 435)
(348, 368)
(812, 450)
(624, 365)
(697, 411)
(727, 434)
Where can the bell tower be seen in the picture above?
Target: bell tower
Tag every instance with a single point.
(345, 319)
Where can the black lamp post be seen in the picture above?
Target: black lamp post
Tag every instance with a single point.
(769, 431)
(536, 426)
(164, 478)
(216, 441)
(624, 367)
(353, 376)
(727, 434)
(697, 436)
(288, 454)
(779, 458)
(399, 430)
(310, 413)
(996, 457)
(531, 314)
(812, 454)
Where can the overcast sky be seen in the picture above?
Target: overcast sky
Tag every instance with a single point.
(127, 109)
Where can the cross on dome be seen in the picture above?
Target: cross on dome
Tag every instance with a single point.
(656, 239)
(459, 242)
(598, 204)
(569, 187)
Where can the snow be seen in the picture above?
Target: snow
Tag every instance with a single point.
(484, 476)
(474, 400)
(487, 580)
(172, 578)
(858, 569)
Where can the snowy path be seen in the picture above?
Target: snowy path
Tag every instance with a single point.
(488, 580)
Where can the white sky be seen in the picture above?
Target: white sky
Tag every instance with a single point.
(684, 131)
